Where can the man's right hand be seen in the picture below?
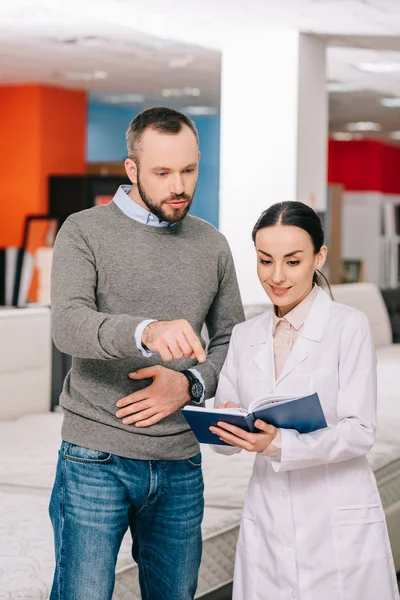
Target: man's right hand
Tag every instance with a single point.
(173, 340)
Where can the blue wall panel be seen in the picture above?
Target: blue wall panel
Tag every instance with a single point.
(107, 125)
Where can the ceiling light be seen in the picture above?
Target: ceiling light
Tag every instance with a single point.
(181, 61)
(345, 136)
(380, 67)
(191, 91)
(395, 135)
(200, 110)
(178, 92)
(125, 98)
(99, 75)
(391, 102)
(171, 92)
(364, 126)
(341, 86)
(92, 76)
(342, 136)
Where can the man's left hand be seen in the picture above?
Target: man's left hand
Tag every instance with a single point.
(167, 394)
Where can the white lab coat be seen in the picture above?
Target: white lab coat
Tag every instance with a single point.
(313, 525)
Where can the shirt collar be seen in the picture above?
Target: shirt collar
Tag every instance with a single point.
(133, 210)
(297, 316)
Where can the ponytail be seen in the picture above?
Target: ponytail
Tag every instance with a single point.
(321, 281)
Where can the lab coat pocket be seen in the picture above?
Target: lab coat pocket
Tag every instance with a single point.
(360, 534)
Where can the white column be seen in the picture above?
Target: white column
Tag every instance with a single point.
(274, 128)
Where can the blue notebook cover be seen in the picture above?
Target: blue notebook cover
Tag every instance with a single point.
(304, 414)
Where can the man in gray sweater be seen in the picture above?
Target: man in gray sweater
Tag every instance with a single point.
(133, 282)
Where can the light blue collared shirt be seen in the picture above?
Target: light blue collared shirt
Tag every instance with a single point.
(133, 210)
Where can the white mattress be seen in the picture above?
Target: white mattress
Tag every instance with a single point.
(28, 450)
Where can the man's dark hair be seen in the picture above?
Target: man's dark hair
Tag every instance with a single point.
(160, 118)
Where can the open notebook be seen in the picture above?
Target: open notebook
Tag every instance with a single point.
(303, 413)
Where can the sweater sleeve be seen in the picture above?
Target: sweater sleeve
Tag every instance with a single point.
(78, 328)
(225, 312)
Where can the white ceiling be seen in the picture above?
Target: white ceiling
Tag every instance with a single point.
(38, 44)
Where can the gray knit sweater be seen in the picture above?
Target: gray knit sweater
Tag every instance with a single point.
(109, 274)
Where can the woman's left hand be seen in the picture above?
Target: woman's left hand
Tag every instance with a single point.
(252, 442)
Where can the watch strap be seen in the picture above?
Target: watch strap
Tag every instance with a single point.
(192, 380)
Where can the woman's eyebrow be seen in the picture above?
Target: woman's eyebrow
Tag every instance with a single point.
(286, 255)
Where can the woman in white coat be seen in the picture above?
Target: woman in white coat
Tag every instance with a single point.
(313, 525)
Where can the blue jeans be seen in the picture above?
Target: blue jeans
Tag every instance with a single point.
(97, 496)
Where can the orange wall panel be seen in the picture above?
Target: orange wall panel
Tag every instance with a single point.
(20, 159)
(42, 132)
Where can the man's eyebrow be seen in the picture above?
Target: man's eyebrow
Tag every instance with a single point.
(168, 169)
(286, 255)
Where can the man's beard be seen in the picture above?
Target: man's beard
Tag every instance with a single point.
(160, 210)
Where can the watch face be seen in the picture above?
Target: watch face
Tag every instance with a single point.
(197, 390)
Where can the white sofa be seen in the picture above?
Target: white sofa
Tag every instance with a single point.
(25, 361)
(367, 298)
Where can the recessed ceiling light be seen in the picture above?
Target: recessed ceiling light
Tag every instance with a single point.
(395, 135)
(391, 102)
(178, 92)
(380, 67)
(200, 110)
(171, 92)
(180, 62)
(126, 98)
(191, 91)
(341, 86)
(364, 126)
(342, 136)
(92, 76)
(99, 75)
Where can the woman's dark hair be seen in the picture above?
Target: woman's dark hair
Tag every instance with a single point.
(298, 215)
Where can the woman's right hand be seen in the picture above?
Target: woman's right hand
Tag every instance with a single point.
(228, 405)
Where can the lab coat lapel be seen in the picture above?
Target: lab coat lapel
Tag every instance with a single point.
(298, 354)
(312, 333)
(262, 348)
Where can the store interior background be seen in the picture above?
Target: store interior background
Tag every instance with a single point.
(293, 99)
(71, 79)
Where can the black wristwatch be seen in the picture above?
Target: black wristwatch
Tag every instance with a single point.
(196, 388)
